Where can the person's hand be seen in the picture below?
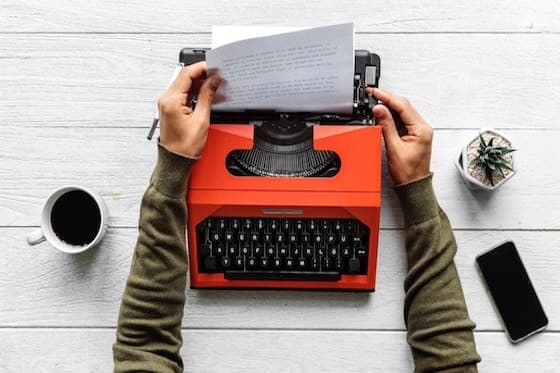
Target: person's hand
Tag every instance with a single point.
(183, 130)
(408, 157)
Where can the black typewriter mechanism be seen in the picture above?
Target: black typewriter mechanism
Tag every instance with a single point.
(283, 142)
(283, 148)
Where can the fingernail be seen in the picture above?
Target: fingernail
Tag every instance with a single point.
(215, 81)
(378, 113)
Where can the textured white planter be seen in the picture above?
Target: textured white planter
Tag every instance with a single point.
(472, 182)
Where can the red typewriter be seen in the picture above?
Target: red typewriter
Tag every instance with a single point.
(288, 200)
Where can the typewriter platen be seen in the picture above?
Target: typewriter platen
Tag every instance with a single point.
(288, 200)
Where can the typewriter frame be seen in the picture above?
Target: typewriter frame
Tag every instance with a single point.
(354, 192)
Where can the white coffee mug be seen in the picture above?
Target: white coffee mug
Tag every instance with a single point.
(48, 233)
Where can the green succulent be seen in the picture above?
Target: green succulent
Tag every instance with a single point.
(491, 159)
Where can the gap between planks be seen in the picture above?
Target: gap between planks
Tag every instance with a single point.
(447, 32)
(263, 330)
(127, 227)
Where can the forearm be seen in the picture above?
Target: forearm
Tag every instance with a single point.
(149, 327)
(439, 329)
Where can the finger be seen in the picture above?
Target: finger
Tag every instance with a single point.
(184, 80)
(193, 91)
(206, 96)
(384, 118)
(399, 104)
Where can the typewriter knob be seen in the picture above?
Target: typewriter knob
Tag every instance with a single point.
(210, 263)
(354, 265)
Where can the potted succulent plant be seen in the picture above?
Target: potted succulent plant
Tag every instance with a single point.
(486, 162)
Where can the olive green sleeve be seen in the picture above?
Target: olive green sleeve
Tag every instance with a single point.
(151, 312)
(440, 332)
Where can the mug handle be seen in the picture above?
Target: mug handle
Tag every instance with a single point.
(36, 237)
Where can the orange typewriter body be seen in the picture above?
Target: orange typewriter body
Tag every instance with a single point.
(353, 193)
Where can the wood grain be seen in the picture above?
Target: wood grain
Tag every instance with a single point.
(42, 287)
(78, 84)
(206, 351)
(183, 16)
(118, 162)
(455, 80)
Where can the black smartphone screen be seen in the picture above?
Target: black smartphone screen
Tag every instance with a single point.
(514, 295)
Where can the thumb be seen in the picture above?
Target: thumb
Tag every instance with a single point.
(206, 96)
(384, 118)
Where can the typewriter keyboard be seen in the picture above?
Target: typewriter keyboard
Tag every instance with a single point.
(282, 249)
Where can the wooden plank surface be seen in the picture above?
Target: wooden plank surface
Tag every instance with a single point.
(455, 80)
(78, 83)
(198, 16)
(42, 287)
(118, 162)
(206, 351)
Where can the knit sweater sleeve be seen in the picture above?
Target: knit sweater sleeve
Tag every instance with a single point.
(439, 330)
(151, 312)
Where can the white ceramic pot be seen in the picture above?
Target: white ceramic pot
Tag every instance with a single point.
(472, 182)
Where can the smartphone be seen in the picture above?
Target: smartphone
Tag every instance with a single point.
(512, 292)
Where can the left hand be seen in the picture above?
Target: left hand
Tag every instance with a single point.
(183, 130)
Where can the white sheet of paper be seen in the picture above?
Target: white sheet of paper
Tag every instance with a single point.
(222, 35)
(303, 71)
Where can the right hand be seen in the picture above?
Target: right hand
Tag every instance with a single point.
(408, 157)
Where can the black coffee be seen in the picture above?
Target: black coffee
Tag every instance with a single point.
(76, 218)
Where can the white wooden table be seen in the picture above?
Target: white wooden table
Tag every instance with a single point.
(78, 81)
